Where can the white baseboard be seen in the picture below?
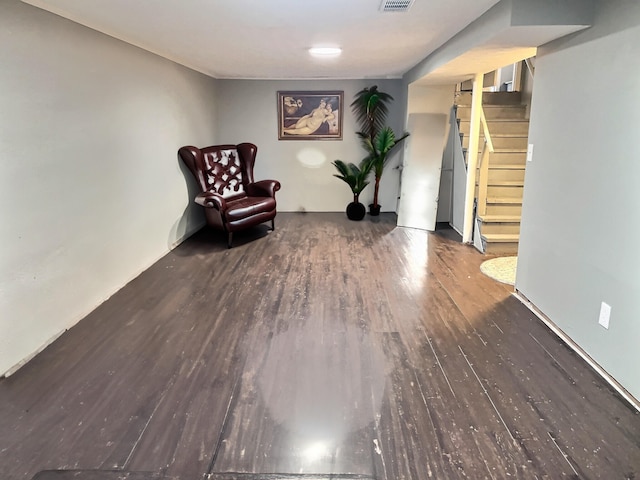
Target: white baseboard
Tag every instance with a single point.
(26, 360)
(635, 403)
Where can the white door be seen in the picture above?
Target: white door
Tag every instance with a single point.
(420, 185)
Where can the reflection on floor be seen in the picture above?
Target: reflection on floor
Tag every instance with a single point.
(326, 349)
(99, 475)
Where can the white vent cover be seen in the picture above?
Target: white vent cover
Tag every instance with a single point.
(395, 5)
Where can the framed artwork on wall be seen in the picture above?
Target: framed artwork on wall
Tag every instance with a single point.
(310, 115)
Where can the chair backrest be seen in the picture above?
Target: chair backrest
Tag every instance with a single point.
(223, 169)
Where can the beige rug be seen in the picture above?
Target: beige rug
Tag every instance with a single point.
(502, 269)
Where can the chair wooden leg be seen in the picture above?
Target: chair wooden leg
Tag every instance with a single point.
(229, 239)
(273, 224)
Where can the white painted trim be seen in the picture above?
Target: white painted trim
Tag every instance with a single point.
(635, 403)
(26, 360)
(485, 128)
(477, 238)
(517, 76)
(472, 157)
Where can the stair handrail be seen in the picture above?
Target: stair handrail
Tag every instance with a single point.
(530, 66)
(485, 130)
(483, 177)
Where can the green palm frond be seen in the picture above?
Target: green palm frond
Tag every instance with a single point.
(370, 108)
(380, 147)
(353, 175)
(384, 141)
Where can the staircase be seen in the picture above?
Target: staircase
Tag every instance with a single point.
(500, 176)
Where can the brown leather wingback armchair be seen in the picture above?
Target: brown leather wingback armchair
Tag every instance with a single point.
(229, 195)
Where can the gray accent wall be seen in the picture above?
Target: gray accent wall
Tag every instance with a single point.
(581, 220)
(91, 191)
(247, 112)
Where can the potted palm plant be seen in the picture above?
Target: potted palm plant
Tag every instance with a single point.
(379, 149)
(370, 108)
(356, 177)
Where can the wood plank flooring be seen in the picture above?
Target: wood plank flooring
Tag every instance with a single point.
(324, 349)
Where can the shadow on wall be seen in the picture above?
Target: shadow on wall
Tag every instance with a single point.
(192, 218)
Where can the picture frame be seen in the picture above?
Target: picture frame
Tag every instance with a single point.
(310, 115)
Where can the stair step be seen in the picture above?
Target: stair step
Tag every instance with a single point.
(500, 121)
(501, 225)
(513, 194)
(509, 135)
(500, 126)
(502, 143)
(501, 237)
(514, 126)
(505, 200)
(512, 228)
(490, 98)
(505, 175)
(510, 150)
(504, 209)
(506, 248)
(494, 112)
(499, 218)
(501, 158)
(500, 243)
(506, 166)
(506, 183)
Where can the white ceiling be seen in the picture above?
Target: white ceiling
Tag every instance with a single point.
(269, 39)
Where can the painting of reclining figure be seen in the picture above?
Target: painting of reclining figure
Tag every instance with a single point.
(310, 115)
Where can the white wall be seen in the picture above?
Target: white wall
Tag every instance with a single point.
(247, 112)
(436, 99)
(581, 216)
(91, 190)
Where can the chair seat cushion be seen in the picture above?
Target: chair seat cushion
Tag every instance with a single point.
(248, 206)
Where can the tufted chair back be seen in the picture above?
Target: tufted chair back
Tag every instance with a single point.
(222, 169)
(222, 172)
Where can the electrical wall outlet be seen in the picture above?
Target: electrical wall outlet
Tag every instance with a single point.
(605, 313)
(529, 152)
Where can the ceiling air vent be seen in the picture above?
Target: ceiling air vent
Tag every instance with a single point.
(395, 5)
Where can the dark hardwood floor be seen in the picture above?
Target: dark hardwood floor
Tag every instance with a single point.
(325, 349)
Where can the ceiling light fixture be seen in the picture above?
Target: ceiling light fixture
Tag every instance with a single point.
(325, 51)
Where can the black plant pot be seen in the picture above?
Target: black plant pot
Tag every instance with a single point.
(374, 210)
(356, 211)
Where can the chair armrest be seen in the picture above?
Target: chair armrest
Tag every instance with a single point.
(263, 188)
(212, 200)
